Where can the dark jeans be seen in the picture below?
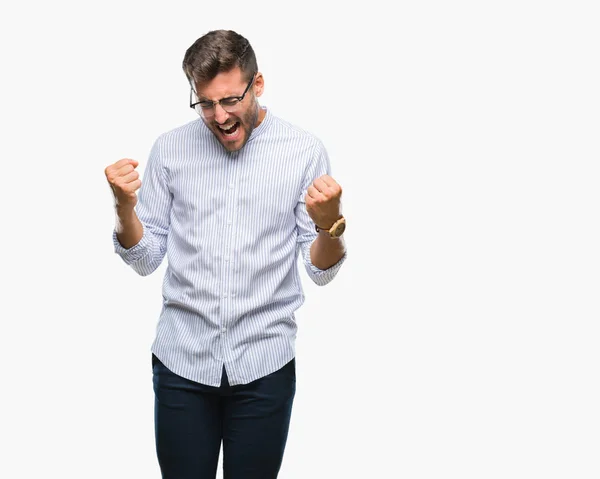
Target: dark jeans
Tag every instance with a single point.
(192, 419)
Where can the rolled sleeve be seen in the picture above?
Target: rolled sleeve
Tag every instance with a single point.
(140, 256)
(320, 276)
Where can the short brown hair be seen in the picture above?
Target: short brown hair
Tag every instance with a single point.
(217, 52)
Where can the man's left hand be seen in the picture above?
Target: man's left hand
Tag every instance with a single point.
(323, 201)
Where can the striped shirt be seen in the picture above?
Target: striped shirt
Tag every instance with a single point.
(232, 225)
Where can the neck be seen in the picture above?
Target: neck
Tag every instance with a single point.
(261, 115)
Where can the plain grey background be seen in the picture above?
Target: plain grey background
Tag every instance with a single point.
(461, 337)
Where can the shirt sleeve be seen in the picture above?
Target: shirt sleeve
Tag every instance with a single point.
(153, 210)
(305, 225)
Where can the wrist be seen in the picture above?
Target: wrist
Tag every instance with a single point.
(327, 224)
(335, 230)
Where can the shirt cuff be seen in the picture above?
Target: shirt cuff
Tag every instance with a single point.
(135, 253)
(324, 276)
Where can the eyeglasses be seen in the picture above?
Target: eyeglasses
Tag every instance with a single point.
(206, 108)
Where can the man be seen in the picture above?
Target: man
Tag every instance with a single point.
(230, 198)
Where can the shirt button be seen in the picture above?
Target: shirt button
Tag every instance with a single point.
(224, 330)
(224, 295)
(226, 258)
(231, 185)
(228, 222)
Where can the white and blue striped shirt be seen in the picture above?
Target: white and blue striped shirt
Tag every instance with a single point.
(231, 226)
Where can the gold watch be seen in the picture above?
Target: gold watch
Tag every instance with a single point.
(336, 230)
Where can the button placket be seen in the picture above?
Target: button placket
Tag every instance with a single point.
(227, 254)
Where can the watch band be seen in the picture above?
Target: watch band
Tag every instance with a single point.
(336, 230)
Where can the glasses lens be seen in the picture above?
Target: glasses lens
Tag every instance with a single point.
(205, 112)
(230, 104)
(206, 109)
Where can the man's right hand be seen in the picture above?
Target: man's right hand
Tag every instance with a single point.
(124, 181)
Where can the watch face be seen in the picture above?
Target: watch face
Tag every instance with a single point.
(340, 229)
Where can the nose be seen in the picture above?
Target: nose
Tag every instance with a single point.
(220, 114)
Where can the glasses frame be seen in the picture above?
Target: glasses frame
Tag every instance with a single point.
(215, 102)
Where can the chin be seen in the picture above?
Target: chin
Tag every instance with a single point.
(233, 146)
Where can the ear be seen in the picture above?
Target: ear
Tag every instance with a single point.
(259, 84)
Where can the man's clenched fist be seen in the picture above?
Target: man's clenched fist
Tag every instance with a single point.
(323, 201)
(124, 181)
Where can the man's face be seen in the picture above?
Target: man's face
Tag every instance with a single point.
(232, 128)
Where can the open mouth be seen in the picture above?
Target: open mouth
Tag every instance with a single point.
(230, 131)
